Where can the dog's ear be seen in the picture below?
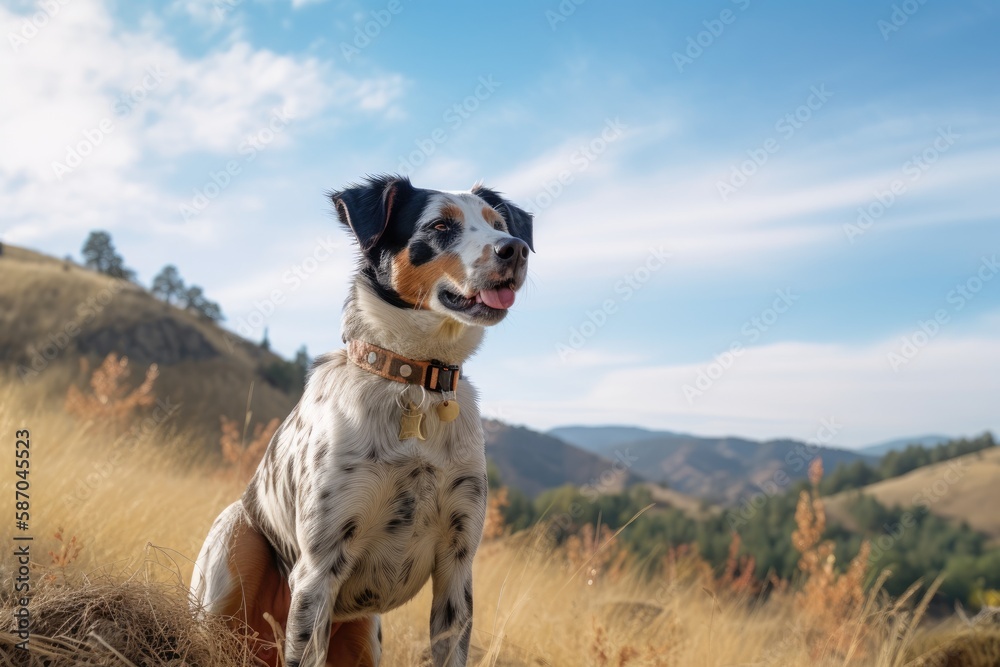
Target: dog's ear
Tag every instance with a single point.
(366, 209)
(519, 221)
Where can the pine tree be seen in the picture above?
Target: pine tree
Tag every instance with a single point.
(99, 254)
(168, 285)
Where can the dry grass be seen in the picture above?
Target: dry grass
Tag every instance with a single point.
(138, 510)
(110, 399)
(963, 489)
(48, 307)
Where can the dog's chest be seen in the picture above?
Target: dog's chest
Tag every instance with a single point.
(414, 514)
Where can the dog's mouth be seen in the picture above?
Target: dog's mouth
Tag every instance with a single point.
(487, 304)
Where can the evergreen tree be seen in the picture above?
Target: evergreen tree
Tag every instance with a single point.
(99, 254)
(168, 285)
(194, 299)
(302, 363)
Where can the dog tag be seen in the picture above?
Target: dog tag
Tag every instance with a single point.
(447, 411)
(411, 425)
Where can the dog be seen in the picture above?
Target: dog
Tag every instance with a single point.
(376, 481)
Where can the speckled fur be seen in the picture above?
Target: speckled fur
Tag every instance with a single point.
(357, 519)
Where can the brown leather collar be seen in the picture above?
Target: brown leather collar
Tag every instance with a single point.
(431, 375)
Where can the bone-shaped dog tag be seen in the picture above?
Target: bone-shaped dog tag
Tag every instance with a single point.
(411, 424)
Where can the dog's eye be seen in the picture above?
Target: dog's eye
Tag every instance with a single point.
(498, 225)
(441, 226)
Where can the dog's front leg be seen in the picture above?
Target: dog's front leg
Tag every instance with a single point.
(307, 632)
(451, 612)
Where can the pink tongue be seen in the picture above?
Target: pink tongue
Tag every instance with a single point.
(501, 299)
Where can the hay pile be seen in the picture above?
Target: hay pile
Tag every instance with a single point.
(117, 622)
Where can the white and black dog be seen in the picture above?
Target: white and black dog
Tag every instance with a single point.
(376, 481)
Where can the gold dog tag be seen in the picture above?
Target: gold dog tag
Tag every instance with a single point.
(447, 411)
(411, 425)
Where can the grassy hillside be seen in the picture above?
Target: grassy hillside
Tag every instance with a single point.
(53, 314)
(963, 489)
(111, 565)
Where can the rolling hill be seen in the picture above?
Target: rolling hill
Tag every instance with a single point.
(723, 470)
(55, 314)
(534, 462)
(964, 489)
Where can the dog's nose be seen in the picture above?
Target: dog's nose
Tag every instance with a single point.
(510, 249)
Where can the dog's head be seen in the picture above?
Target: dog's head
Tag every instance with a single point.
(463, 255)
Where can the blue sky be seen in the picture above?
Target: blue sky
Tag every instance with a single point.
(714, 156)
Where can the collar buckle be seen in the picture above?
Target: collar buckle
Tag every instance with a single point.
(441, 376)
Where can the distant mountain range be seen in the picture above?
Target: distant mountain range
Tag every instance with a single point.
(534, 462)
(724, 470)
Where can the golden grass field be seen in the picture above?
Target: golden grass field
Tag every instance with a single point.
(131, 513)
(977, 475)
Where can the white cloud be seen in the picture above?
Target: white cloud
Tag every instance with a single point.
(785, 389)
(135, 104)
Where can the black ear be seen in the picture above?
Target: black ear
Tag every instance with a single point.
(519, 221)
(366, 208)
